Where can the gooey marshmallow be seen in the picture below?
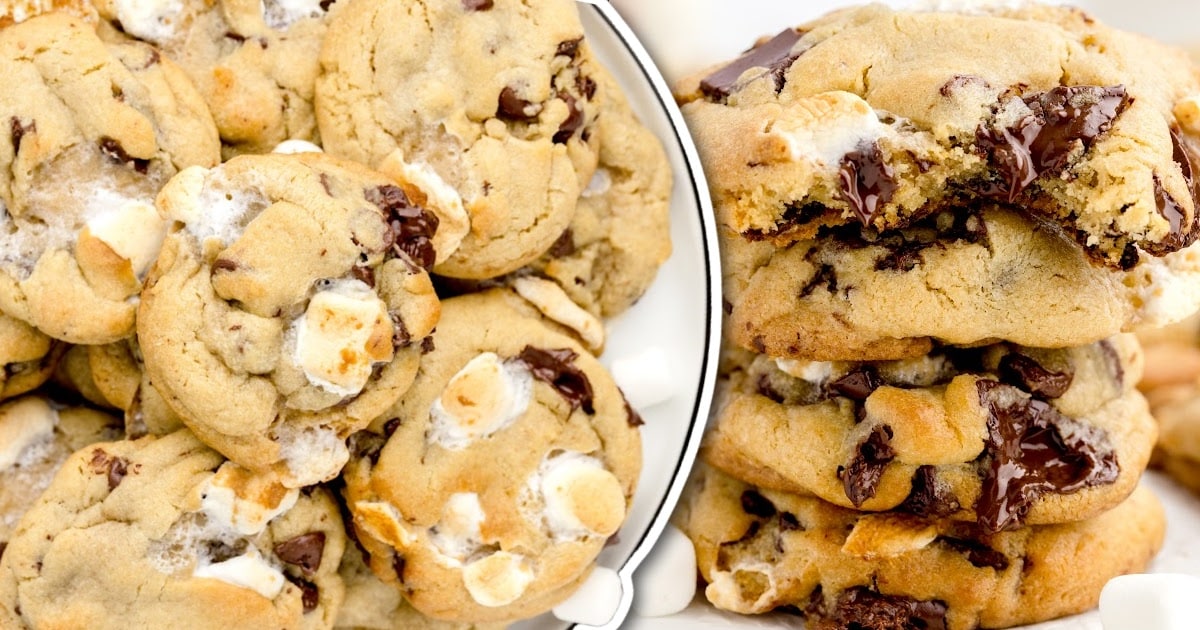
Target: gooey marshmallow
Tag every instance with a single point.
(553, 302)
(498, 579)
(458, 535)
(815, 372)
(486, 395)
(249, 570)
(342, 335)
(24, 422)
(580, 496)
(440, 198)
(825, 127)
(133, 230)
(151, 20)
(243, 502)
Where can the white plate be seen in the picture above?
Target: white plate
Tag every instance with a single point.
(685, 36)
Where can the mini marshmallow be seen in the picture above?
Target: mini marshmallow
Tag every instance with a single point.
(244, 502)
(1162, 601)
(134, 230)
(658, 587)
(345, 331)
(600, 183)
(485, 396)
(644, 378)
(440, 198)
(596, 601)
(581, 497)
(498, 579)
(295, 145)
(151, 20)
(815, 372)
(458, 535)
(249, 570)
(280, 14)
(553, 302)
(24, 422)
(825, 127)
(313, 454)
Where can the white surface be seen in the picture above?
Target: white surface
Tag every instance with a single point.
(686, 36)
(1164, 601)
(644, 377)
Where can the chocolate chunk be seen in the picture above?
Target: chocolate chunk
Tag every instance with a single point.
(632, 417)
(390, 427)
(574, 119)
(586, 86)
(727, 306)
(569, 48)
(564, 245)
(929, 498)
(978, 554)
(861, 608)
(1169, 209)
(904, 258)
(325, 4)
(788, 522)
(756, 504)
(398, 564)
(1113, 361)
(861, 476)
(1028, 374)
(117, 469)
(513, 107)
(410, 228)
(224, 264)
(401, 338)
(18, 130)
(3, 546)
(365, 275)
(825, 275)
(310, 595)
(867, 181)
(1062, 121)
(794, 218)
(367, 444)
(958, 82)
(427, 345)
(775, 56)
(113, 150)
(1032, 450)
(304, 551)
(856, 385)
(766, 387)
(477, 5)
(237, 37)
(555, 368)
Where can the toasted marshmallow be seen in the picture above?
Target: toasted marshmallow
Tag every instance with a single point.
(383, 521)
(134, 230)
(498, 579)
(485, 396)
(552, 301)
(887, 535)
(458, 535)
(580, 496)
(645, 378)
(440, 198)
(24, 422)
(244, 502)
(249, 570)
(152, 20)
(825, 127)
(295, 145)
(343, 334)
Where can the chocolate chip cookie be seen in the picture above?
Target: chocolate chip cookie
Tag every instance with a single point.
(93, 132)
(1172, 385)
(761, 549)
(486, 493)
(881, 117)
(114, 376)
(1001, 435)
(27, 357)
(288, 308)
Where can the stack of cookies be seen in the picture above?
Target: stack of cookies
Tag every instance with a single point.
(300, 304)
(1172, 386)
(938, 231)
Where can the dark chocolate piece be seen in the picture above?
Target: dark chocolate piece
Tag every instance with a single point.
(310, 595)
(398, 564)
(513, 107)
(960, 81)
(574, 119)
(555, 368)
(929, 498)
(427, 345)
(569, 48)
(304, 551)
(756, 504)
(564, 245)
(978, 554)
(390, 427)
(477, 5)
(788, 522)
(1026, 373)
(825, 275)
(857, 385)
(365, 275)
(117, 469)
(113, 150)
(774, 56)
(224, 264)
(3, 546)
(367, 444)
(401, 338)
(632, 417)
(18, 130)
(410, 228)
(861, 608)
(860, 478)
(867, 181)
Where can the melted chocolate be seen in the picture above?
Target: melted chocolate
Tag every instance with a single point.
(1174, 214)
(856, 385)
(18, 130)
(410, 228)
(574, 119)
(929, 498)
(861, 476)
(304, 551)
(564, 245)
(775, 56)
(632, 417)
(568, 48)
(867, 181)
(477, 5)
(117, 469)
(401, 338)
(115, 152)
(555, 368)
(756, 504)
(1029, 456)
(310, 595)
(1029, 375)
(794, 218)
(861, 608)
(825, 275)
(977, 553)
(959, 81)
(513, 107)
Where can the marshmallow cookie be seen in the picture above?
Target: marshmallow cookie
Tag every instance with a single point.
(759, 550)
(289, 308)
(16, 11)
(27, 357)
(255, 62)
(189, 541)
(94, 131)
(487, 492)
(879, 117)
(1002, 435)
(492, 104)
(36, 437)
(113, 375)
(1172, 385)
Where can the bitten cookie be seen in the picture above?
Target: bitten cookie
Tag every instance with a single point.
(27, 357)
(189, 541)
(760, 549)
(493, 103)
(965, 276)
(288, 309)
(1002, 435)
(93, 132)
(486, 493)
(880, 117)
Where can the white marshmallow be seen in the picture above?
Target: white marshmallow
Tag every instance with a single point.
(498, 579)
(659, 587)
(249, 570)
(725, 593)
(1158, 601)
(313, 454)
(243, 502)
(485, 396)
(815, 372)
(440, 198)
(458, 535)
(553, 302)
(596, 601)
(580, 497)
(152, 20)
(134, 230)
(295, 145)
(280, 14)
(600, 183)
(830, 125)
(24, 422)
(644, 378)
(343, 334)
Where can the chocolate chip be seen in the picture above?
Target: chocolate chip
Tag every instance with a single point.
(113, 150)
(727, 306)
(365, 275)
(1062, 121)
(794, 219)
(905, 258)
(978, 554)
(3, 546)
(856, 385)
(117, 469)
(1028, 374)
(304, 551)
(632, 417)
(861, 608)
(477, 5)
(555, 368)
(325, 4)
(310, 595)
(390, 427)
(237, 37)
(367, 444)
(1032, 450)
(788, 522)
(586, 86)
(861, 476)
(224, 264)
(512, 107)
(18, 130)
(326, 183)
(775, 56)
(410, 228)
(826, 275)
(929, 498)
(569, 48)
(574, 119)
(427, 345)
(756, 504)
(959, 81)
(401, 338)
(765, 387)
(564, 245)
(398, 564)
(1170, 210)
(1113, 361)
(867, 181)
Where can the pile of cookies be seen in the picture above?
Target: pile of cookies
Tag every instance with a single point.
(1172, 386)
(939, 230)
(300, 304)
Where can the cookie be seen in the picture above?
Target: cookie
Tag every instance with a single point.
(288, 309)
(881, 117)
(255, 63)
(95, 130)
(493, 103)
(486, 492)
(959, 277)
(1002, 435)
(38, 435)
(27, 357)
(1172, 386)
(760, 549)
(190, 541)
(114, 376)
(16, 11)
